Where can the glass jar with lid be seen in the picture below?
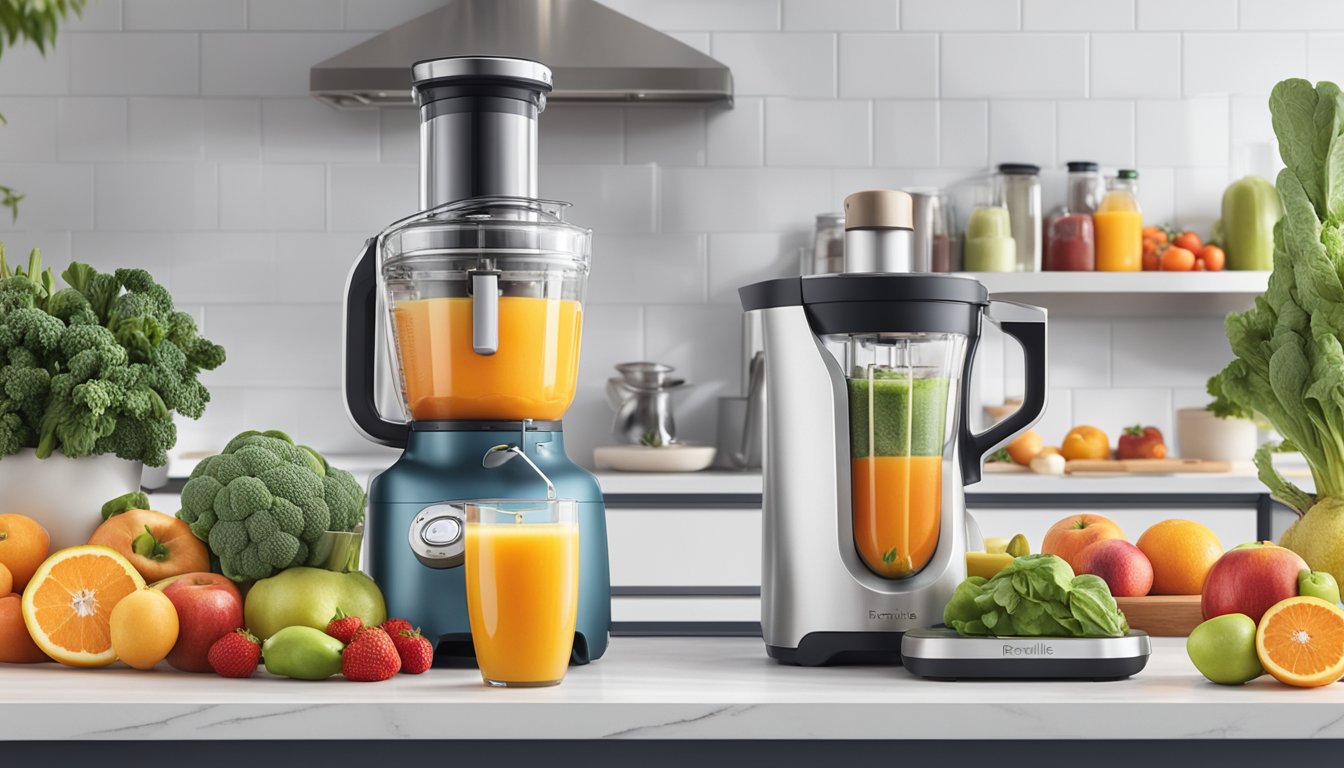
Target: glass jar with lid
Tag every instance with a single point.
(1070, 241)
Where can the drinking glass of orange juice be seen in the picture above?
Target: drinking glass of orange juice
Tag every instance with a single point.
(522, 561)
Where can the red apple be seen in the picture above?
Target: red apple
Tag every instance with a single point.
(1250, 579)
(209, 606)
(1123, 566)
(1070, 536)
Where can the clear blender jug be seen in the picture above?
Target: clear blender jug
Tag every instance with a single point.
(486, 309)
(902, 391)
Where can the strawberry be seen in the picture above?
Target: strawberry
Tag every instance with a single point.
(235, 654)
(417, 655)
(370, 657)
(394, 627)
(344, 627)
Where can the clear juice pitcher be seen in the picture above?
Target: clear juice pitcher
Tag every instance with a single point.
(902, 391)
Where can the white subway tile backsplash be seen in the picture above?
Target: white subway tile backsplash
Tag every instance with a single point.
(578, 134)
(97, 16)
(266, 63)
(1157, 195)
(277, 345)
(1057, 419)
(809, 133)
(92, 128)
(108, 251)
(850, 16)
(1199, 195)
(1075, 15)
(1189, 353)
(289, 410)
(1096, 130)
(191, 15)
(272, 197)
(365, 198)
(231, 129)
(1187, 14)
(29, 72)
(797, 64)
(1080, 353)
(165, 129)
(612, 333)
(963, 134)
(888, 66)
(701, 14)
(1013, 66)
(1187, 133)
(1325, 56)
(704, 345)
(614, 199)
(743, 200)
(736, 260)
(312, 267)
(1240, 63)
(57, 196)
(647, 269)
(1299, 14)
(399, 134)
(379, 15)
(736, 136)
(300, 15)
(158, 197)
(1136, 65)
(134, 63)
(960, 15)
(1111, 410)
(307, 129)
(225, 267)
(54, 247)
(665, 135)
(1022, 132)
(697, 40)
(29, 132)
(905, 133)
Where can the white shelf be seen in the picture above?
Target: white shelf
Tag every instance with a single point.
(1129, 293)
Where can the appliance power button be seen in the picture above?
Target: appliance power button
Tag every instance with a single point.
(441, 531)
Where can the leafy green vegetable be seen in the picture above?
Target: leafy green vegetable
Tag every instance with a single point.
(263, 502)
(125, 503)
(1290, 360)
(1035, 596)
(97, 367)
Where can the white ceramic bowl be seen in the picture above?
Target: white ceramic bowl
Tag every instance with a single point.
(1201, 435)
(679, 457)
(65, 495)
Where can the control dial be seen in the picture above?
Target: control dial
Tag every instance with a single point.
(436, 536)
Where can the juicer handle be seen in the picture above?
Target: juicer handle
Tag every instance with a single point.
(1026, 324)
(360, 359)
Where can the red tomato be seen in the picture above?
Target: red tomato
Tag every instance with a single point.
(1189, 241)
(1214, 258)
(1177, 259)
(1151, 262)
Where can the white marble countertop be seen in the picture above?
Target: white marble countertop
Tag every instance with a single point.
(662, 688)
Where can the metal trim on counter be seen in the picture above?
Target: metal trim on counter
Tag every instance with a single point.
(700, 591)
(1263, 502)
(686, 629)
(644, 500)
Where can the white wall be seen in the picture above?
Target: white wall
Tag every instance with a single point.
(179, 135)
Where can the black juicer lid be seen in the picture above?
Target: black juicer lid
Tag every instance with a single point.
(862, 287)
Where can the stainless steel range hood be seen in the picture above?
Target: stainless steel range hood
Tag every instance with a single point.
(597, 54)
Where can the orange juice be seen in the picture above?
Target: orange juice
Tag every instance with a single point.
(1119, 240)
(522, 599)
(531, 376)
(897, 503)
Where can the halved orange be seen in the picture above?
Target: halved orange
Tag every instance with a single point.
(68, 603)
(1300, 642)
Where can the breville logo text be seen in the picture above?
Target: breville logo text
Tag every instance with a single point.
(1035, 649)
(892, 616)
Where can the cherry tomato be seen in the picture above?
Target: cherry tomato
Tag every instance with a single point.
(1177, 259)
(1151, 261)
(1156, 234)
(1214, 258)
(1199, 265)
(1189, 241)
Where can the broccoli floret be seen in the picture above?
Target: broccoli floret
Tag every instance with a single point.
(263, 502)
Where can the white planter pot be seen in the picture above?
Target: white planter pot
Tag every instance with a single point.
(1201, 435)
(64, 495)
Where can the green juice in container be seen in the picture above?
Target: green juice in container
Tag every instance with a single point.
(989, 241)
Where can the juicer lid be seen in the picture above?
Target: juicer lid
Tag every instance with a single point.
(497, 227)
(856, 287)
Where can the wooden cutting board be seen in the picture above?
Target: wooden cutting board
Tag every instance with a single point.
(1148, 466)
(1162, 615)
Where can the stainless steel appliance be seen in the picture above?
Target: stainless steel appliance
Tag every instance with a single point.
(942, 654)
(642, 399)
(868, 440)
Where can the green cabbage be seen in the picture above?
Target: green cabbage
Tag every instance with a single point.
(1035, 596)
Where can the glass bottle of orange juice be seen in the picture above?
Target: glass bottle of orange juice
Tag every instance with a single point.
(1119, 225)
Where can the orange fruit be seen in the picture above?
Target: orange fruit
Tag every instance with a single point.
(68, 604)
(158, 545)
(144, 628)
(6, 580)
(1069, 537)
(1084, 442)
(1025, 447)
(23, 547)
(1300, 641)
(1182, 552)
(16, 645)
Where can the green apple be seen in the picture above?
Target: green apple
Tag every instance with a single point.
(309, 597)
(1318, 584)
(302, 653)
(1223, 649)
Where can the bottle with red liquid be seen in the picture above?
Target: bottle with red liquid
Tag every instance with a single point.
(1070, 235)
